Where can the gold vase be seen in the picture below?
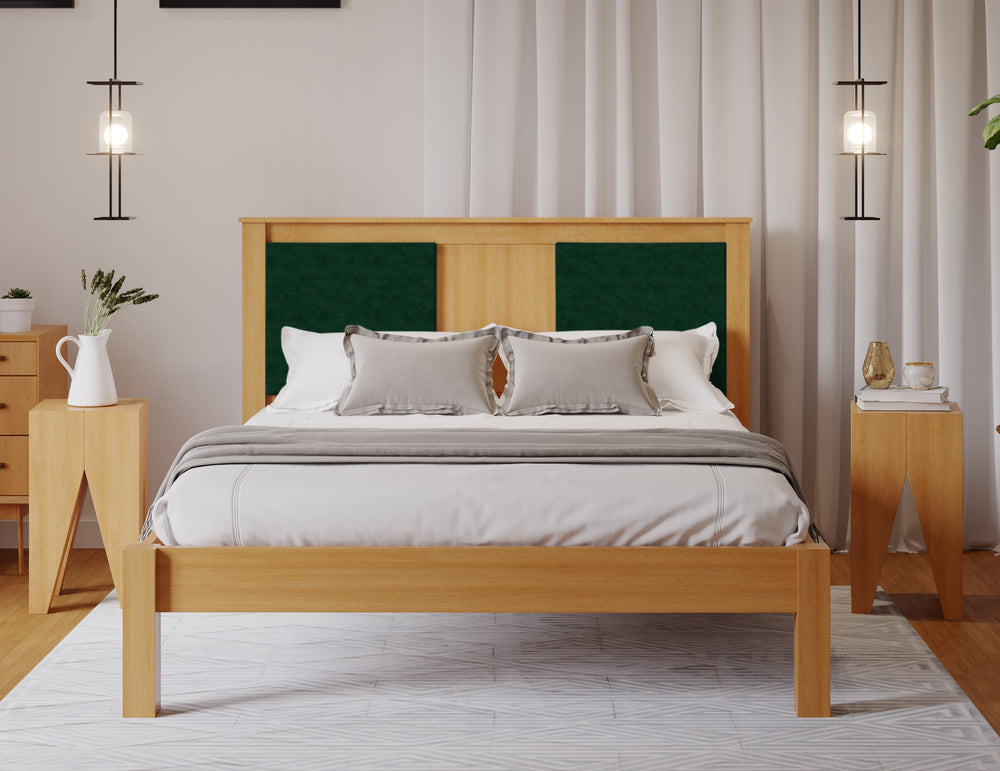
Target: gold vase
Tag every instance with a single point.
(878, 369)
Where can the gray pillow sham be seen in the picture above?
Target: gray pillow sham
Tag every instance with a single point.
(587, 375)
(400, 375)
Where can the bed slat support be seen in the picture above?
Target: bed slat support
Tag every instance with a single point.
(140, 633)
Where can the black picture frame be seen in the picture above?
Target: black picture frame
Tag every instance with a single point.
(36, 3)
(249, 4)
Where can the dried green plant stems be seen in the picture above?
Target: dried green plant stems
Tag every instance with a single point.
(105, 298)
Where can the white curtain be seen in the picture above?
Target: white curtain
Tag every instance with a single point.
(727, 108)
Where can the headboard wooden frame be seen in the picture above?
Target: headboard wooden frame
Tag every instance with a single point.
(497, 270)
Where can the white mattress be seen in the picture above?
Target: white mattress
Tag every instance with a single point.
(527, 504)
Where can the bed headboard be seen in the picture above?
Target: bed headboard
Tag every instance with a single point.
(536, 274)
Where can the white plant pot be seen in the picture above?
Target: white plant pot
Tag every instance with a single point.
(15, 315)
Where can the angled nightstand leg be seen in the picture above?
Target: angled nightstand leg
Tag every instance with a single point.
(935, 466)
(878, 470)
(74, 525)
(57, 487)
(117, 470)
(22, 510)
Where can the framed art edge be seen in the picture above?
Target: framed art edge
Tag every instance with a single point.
(249, 4)
(37, 3)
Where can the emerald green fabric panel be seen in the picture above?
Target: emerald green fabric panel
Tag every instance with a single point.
(622, 286)
(324, 287)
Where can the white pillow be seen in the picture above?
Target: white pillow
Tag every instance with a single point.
(318, 370)
(708, 351)
(403, 374)
(597, 374)
(711, 351)
(679, 368)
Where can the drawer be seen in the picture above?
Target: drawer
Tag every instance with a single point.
(14, 460)
(18, 358)
(17, 395)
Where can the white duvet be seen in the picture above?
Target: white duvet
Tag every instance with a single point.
(527, 504)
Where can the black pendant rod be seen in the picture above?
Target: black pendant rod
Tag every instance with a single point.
(116, 41)
(111, 158)
(119, 114)
(857, 76)
(859, 35)
(864, 143)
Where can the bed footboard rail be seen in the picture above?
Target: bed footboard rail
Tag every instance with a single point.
(476, 579)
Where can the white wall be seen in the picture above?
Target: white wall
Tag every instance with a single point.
(242, 113)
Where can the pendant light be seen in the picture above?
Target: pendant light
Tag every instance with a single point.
(114, 129)
(860, 132)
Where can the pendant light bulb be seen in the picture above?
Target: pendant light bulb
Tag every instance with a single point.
(860, 132)
(115, 132)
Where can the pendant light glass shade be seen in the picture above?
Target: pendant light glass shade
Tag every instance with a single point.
(860, 132)
(115, 132)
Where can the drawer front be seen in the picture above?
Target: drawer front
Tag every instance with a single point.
(17, 395)
(13, 465)
(18, 358)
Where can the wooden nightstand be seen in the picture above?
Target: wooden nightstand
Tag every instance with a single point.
(29, 372)
(71, 449)
(886, 448)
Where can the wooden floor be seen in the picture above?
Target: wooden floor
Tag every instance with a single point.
(969, 649)
(25, 640)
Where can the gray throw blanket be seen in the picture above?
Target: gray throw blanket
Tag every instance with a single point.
(264, 444)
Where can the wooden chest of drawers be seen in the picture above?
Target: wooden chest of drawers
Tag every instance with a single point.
(29, 372)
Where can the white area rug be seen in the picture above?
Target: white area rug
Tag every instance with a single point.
(466, 691)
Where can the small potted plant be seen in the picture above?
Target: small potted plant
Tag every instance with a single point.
(15, 311)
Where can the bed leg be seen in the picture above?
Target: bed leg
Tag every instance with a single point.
(812, 632)
(140, 633)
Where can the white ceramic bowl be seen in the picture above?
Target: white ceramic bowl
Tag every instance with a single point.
(919, 375)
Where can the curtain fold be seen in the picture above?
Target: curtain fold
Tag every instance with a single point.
(447, 39)
(678, 106)
(497, 57)
(728, 108)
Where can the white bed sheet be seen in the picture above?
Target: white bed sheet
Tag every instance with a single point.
(529, 504)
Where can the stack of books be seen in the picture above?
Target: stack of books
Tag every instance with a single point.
(903, 398)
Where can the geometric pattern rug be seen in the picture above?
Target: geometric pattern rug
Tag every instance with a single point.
(466, 691)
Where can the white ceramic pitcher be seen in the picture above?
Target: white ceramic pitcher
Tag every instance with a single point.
(91, 382)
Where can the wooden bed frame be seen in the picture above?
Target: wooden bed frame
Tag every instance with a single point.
(489, 270)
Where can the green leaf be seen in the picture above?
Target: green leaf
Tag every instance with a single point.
(991, 134)
(979, 108)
